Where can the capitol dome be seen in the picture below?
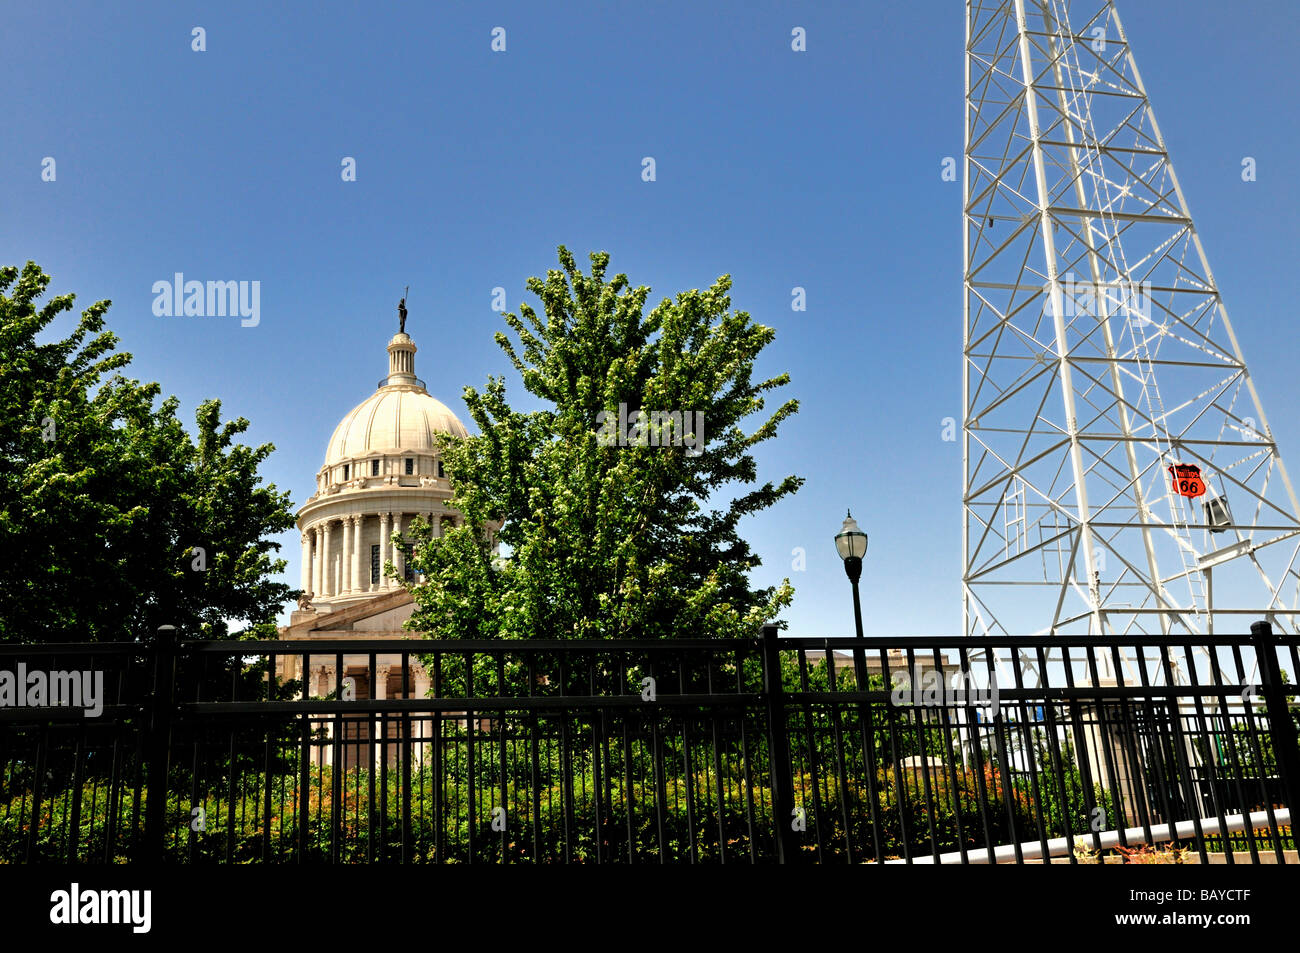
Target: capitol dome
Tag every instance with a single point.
(393, 419)
(383, 468)
(393, 431)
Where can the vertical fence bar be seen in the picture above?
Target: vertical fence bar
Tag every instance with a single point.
(42, 744)
(778, 749)
(267, 754)
(661, 785)
(114, 796)
(503, 767)
(371, 727)
(336, 764)
(408, 839)
(74, 821)
(193, 841)
(159, 736)
(1280, 725)
(304, 783)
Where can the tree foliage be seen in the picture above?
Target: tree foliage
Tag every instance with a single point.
(106, 500)
(608, 541)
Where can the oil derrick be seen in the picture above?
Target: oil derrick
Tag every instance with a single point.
(1120, 475)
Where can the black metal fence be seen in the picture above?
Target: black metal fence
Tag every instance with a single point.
(1030, 749)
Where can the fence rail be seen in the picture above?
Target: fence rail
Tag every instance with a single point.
(705, 751)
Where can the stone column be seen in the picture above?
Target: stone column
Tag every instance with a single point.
(316, 562)
(322, 682)
(399, 561)
(436, 522)
(424, 727)
(306, 562)
(385, 531)
(380, 690)
(345, 558)
(326, 683)
(357, 584)
(327, 560)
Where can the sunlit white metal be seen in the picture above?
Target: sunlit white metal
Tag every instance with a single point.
(1107, 840)
(1098, 353)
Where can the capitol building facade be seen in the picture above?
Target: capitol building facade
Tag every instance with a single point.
(382, 469)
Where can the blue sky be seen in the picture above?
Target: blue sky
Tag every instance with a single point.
(818, 169)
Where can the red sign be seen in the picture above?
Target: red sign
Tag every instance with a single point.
(1187, 480)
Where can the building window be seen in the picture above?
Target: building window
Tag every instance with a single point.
(441, 475)
(374, 468)
(374, 564)
(410, 573)
(345, 471)
(410, 465)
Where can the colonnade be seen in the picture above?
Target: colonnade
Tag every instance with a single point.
(336, 552)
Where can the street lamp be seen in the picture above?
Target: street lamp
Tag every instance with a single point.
(852, 545)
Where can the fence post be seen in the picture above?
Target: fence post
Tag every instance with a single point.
(160, 725)
(1281, 727)
(778, 747)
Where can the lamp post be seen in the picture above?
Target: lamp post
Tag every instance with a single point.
(852, 545)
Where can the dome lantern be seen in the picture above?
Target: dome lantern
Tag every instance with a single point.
(400, 417)
(401, 361)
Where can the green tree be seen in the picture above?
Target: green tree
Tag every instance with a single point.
(608, 541)
(113, 519)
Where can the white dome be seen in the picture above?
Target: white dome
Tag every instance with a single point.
(390, 440)
(394, 419)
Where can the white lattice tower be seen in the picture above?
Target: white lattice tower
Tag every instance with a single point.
(1098, 353)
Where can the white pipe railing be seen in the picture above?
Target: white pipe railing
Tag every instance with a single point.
(1057, 846)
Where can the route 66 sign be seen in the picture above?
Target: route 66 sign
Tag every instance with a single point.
(1187, 480)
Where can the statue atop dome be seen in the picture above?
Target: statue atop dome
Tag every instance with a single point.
(401, 311)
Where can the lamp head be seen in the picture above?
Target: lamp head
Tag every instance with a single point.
(850, 541)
